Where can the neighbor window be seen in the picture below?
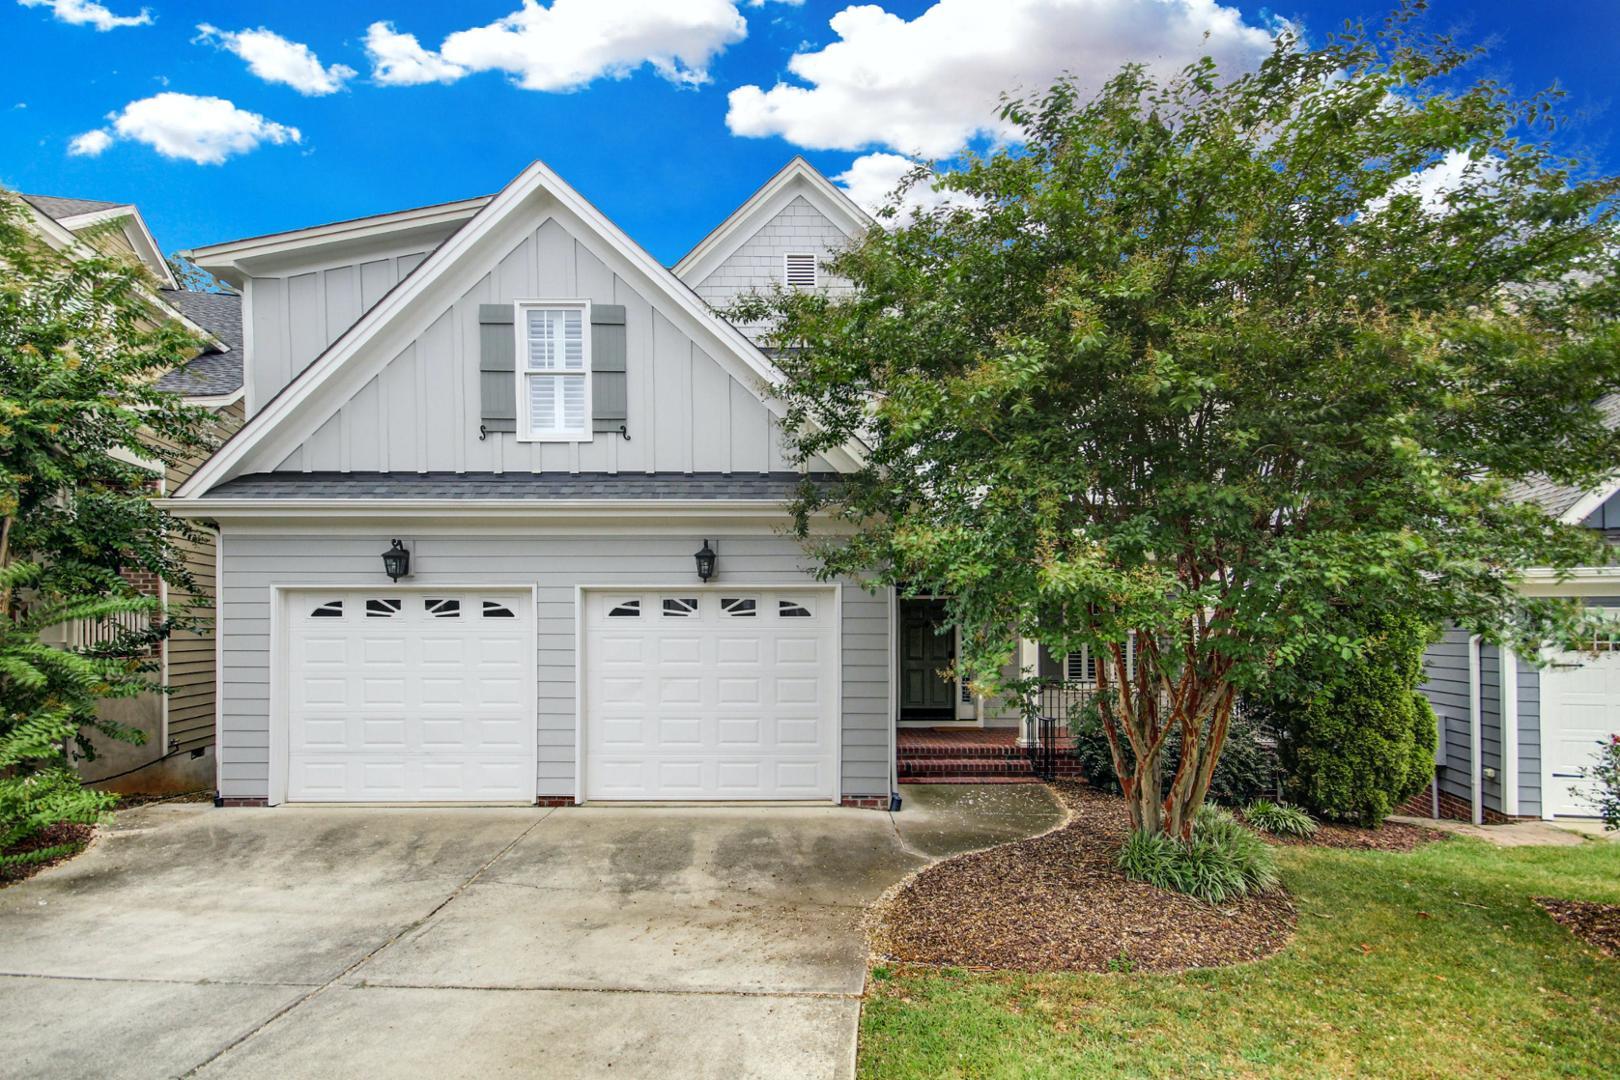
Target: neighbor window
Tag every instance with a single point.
(554, 371)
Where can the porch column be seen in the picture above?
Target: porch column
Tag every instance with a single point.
(1029, 665)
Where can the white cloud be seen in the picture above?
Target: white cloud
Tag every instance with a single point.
(872, 178)
(399, 59)
(571, 43)
(90, 144)
(1451, 173)
(930, 86)
(89, 13)
(275, 59)
(206, 130)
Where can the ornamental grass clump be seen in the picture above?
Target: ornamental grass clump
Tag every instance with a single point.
(1223, 861)
(1279, 819)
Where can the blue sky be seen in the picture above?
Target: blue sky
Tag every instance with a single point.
(644, 105)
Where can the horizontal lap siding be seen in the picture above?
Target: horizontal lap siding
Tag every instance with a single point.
(1529, 739)
(1446, 686)
(557, 565)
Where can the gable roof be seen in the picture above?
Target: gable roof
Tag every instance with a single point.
(293, 414)
(797, 178)
(61, 209)
(1572, 505)
(217, 371)
(76, 215)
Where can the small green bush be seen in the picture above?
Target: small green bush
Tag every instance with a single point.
(1606, 800)
(1246, 770)
(1224, 861)
(1366, 744)
(1279, 819)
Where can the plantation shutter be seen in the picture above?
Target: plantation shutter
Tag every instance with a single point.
(609, 390)
(497, 364)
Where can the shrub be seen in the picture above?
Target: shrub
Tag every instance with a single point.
(1224, 861)
(1607, 774)
(1279, 819)
(1366, 744)
(1246, 770)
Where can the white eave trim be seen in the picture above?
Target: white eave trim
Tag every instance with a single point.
(608, 511)
(231, 252)
(217, 401)
(538, 176)
(1579, 581)
(731, 233)
(1591, 501)
(142, 238)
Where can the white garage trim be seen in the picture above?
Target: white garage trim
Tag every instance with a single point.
(280, 669)
(834, 592)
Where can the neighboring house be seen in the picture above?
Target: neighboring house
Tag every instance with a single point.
(179, 726)
(1513, 737)
(552, 426)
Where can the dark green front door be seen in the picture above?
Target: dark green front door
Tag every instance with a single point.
(927, 647)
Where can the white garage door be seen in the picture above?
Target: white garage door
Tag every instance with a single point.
(398, 696)
(1580, 700)
(713, 694)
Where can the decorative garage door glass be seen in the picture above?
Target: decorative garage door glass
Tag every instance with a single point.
(711, 695)
(410, 697)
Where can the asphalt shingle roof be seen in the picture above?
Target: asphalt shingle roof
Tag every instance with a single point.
(1557, 499)
(777, 486)
(214, 373)
(56, 208)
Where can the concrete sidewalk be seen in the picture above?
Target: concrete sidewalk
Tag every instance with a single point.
(1556, 833)
(640, 942)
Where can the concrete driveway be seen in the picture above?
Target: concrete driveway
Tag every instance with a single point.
(625, 942)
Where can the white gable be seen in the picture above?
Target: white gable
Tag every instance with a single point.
(400, 384)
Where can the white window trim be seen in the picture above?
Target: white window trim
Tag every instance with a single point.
(815, 265)
(520, 330)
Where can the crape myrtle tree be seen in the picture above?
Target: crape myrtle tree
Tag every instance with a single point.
(80, 343)
(1216, 363)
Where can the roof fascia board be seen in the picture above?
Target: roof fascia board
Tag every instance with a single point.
(217, 401)
(272, 426)
(1589, 502)
(798, 176)
(135, 231)
(232, 252)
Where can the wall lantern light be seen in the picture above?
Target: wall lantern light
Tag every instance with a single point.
(706, 559)
(396, 561)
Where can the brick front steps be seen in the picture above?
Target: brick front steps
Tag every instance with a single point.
(967, 756)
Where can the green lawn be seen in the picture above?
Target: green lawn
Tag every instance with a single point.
(1433, 963)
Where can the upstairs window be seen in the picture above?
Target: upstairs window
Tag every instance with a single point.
(799, 270)
(553, 371)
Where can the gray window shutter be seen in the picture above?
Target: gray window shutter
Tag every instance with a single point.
(497, 366)
(609, 392)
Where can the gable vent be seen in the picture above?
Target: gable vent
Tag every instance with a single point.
(800, 271)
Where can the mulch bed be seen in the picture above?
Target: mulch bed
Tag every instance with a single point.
(77, 835)
(1058, 903)
(1390, 836)
(1596, 924)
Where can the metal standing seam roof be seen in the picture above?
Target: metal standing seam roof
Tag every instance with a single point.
(213, 373)
(774, 487)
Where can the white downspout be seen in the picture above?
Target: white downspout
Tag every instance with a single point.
(1475, 750)
(1510, 732)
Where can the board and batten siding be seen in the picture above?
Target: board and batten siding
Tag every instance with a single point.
(557, 565)
(291, 319)
(421, 413)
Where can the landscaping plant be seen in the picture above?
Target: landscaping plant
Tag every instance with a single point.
(1231, 361)
(1222, 861)
(80, 343)
(1279, 819)
(1606, 800)
(1365, 743)
(1247, 768)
